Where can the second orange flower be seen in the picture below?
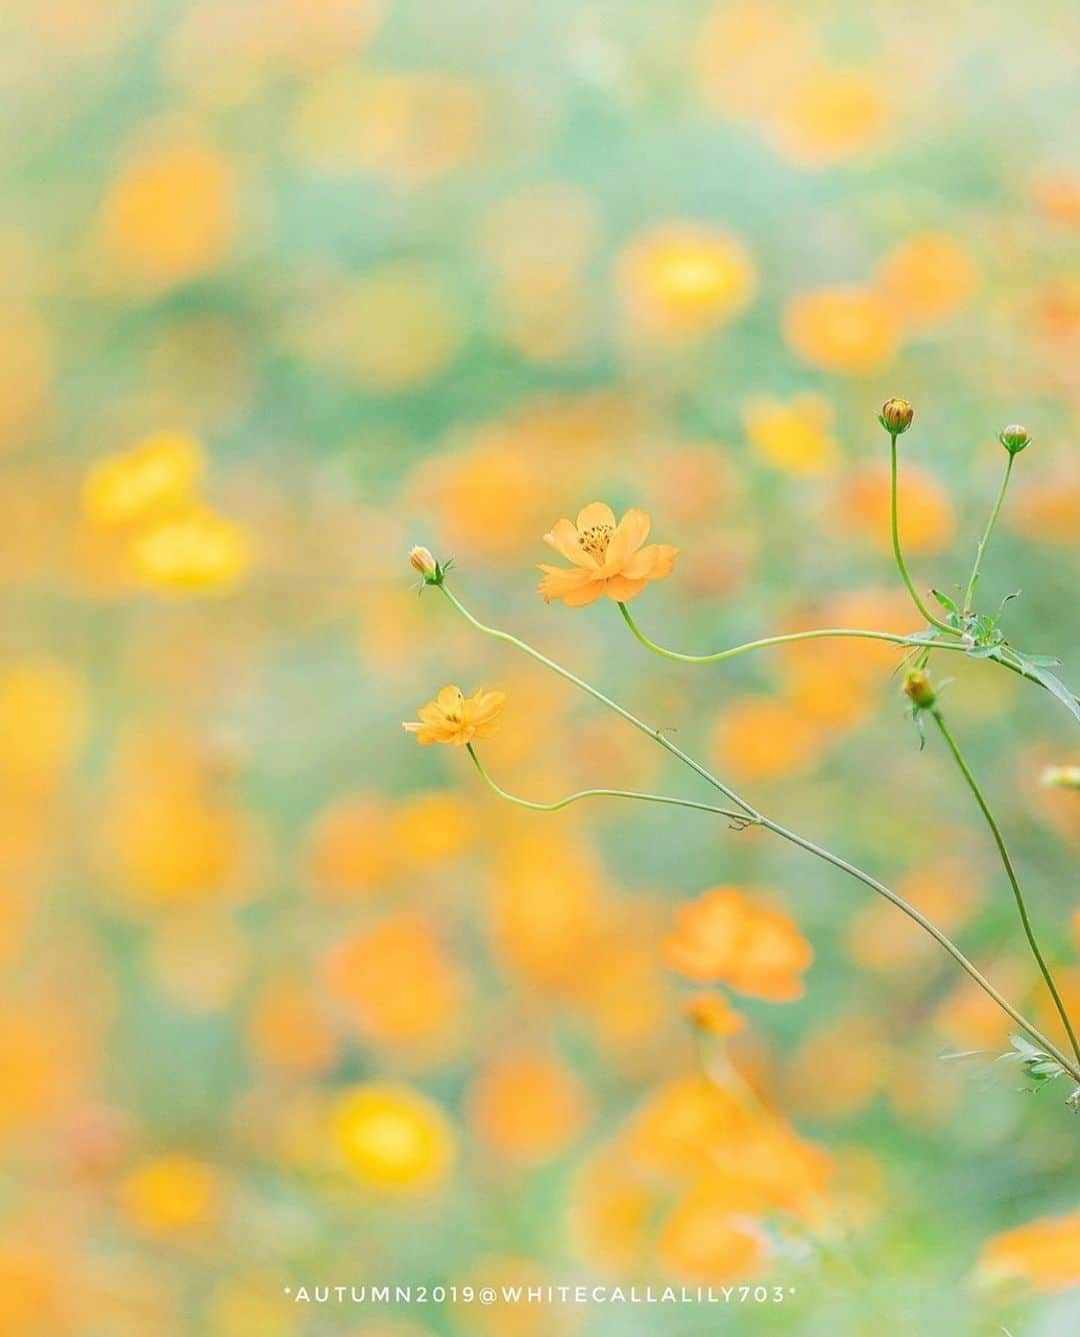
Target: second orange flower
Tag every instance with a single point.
(608, 559)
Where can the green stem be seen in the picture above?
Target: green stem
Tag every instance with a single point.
(786, 638)
(897, 553)
(759, 819)
(533, 806)
(969, 596)
(1010, 871)
(657, 735)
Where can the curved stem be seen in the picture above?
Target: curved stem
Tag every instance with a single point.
(657, 735)
(897, 553)
(1073, 1068)
(912, 913)
(995, 512)
(602, 793)
(784, 639)
(1010, 871)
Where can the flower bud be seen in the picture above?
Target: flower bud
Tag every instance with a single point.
(919, 689)
(1061, 777)
(896, 416)
(1015, 438)
(421, 559)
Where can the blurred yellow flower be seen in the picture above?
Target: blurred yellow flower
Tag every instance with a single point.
(1044, 1254)
(828, 114)
(729, 936)
(393, 1138)
(456, 719)
(850, 330)
(928, 278)
(170, 213)
(42, 722)
(608, 559)
(169, 1193)
(681, 280)
(156, 475)
(428, 830)
(195, 552)
(795, 436)
(527, 1107)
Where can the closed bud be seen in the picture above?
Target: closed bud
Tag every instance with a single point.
(421, 559)
(1015, 438)
(896, 416)
(919, 690)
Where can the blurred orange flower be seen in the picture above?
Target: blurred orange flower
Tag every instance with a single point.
(169, 214)
(1045, 1254)
(796, 436)
(528, 1108)
(351, 849)
(850, 330)
(928, 278)
(608, 559)
(456, 719)
(712, 1013)
(764, 738)
(169, 1193)
(398, 987)
(730, 936)
(703, 1240)
(860, 506)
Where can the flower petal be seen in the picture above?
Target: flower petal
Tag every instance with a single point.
(596, 513)
(620, 589)
(631, 533)
(587, 594)
(655, 562)
(449, 697)
(564, 539)
(558, 582)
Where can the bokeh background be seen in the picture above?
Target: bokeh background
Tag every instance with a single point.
(290, 285)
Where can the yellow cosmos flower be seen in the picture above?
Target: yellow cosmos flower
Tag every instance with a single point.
(608, 558)
(456, 719)
(393, 1138)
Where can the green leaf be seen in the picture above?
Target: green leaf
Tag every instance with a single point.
(945, 601)
(1034, 670)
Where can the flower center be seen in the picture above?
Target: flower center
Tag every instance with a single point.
(595, 539)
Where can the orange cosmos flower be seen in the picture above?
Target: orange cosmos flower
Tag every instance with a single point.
(453, 718)
(1044, 1253)
(608, 558)
(727, 935)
